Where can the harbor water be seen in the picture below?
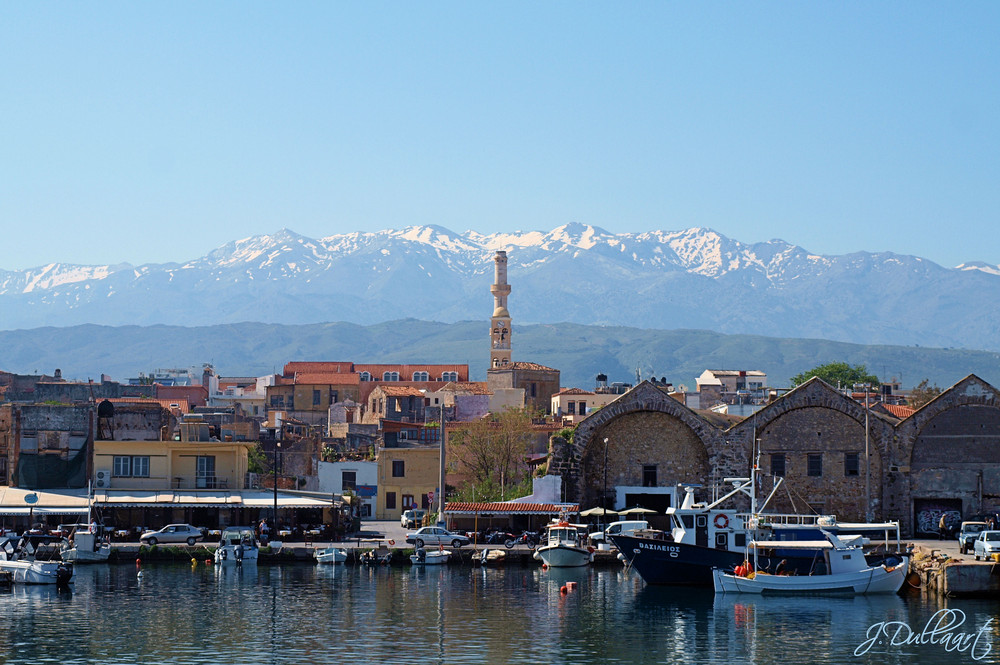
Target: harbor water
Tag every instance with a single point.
(460, 614)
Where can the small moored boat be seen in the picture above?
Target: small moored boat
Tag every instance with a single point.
(423, 557)
(564, 546)
(238, 544)
(839, 568)
(330, 555)
(34, 560)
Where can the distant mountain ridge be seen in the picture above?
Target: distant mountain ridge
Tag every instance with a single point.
(694, 278)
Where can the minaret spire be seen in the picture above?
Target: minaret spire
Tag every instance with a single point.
(500, 321)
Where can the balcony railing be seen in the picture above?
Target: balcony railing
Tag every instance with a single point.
(200, 483)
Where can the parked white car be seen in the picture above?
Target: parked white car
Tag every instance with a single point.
(435, 535)
(174, 533)
(987, 544)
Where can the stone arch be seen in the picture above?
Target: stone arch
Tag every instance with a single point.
(644, 427)
(814, 429)
(950, 452)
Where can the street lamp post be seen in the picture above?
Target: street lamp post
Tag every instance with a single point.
(274, 516)
(441, 472)
(604, 500)
(868, 464)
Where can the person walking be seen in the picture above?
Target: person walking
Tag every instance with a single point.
(942, 527)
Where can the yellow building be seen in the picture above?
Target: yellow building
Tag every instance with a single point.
(171, 465)
(406, 475)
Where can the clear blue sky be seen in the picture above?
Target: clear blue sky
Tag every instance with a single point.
(155, 132)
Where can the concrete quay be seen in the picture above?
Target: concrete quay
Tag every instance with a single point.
(946, 572)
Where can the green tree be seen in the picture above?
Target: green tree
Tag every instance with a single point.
(922, 393)
(491, 452)
(256, 460)
(838, 374)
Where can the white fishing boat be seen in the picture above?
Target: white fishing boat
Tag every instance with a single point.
(423, 557)
(32, 560)
(564, 546)
(330, 555)
(838, 568)
(238, 545)
(85, 544)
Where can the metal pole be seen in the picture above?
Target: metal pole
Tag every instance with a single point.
(441, 472)
(604, 502)
(274, 517)
(868, 493)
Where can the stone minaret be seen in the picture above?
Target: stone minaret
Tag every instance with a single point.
(500, 321)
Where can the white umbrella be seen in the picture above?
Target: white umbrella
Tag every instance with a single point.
(637, 509)
(590, 512)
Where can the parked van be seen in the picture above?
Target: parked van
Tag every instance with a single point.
(411, 519)
(623, 528)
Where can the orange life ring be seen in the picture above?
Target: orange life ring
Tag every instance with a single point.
(392, 542)
(721, 521)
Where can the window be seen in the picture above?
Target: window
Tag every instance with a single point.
(571, 408)
(316, 398)
(777, 464)
(398, 468)
(582, 408)
(421, 376)
(390, 376)
(348, 480)
(277, 401)
(814, 464)
(852, 466)
(390, 501)
(649, 475)
(408, 502)
(449, 376)
(206, 472)
(126, 466)
(122, 467)
(140, 466)
(425, 502)
(534, 390)
(365, 376)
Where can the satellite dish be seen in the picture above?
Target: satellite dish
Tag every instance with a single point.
(31, 499)
(682, 388)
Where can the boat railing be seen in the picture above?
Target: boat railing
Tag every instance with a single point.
(786, 519)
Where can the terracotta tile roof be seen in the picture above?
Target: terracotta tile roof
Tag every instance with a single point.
(474, 387)
(520, 364)
(511, 507)
(322, 367)
(326, 378)
(399, 391)
(900, 411)
(574, 391)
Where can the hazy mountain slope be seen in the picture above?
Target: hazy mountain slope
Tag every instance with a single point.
(580, 352)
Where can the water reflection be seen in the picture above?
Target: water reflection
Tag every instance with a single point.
(441, 614)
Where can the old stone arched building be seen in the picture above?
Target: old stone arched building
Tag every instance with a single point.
(945, 458)
(814, 438)
(638, 448)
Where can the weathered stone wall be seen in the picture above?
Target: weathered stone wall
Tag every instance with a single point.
(947, 452)
(646, 426)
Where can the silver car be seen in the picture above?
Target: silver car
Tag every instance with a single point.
(173, 533)
(435, 535)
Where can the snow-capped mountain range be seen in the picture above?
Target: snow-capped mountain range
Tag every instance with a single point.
(695, 278)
